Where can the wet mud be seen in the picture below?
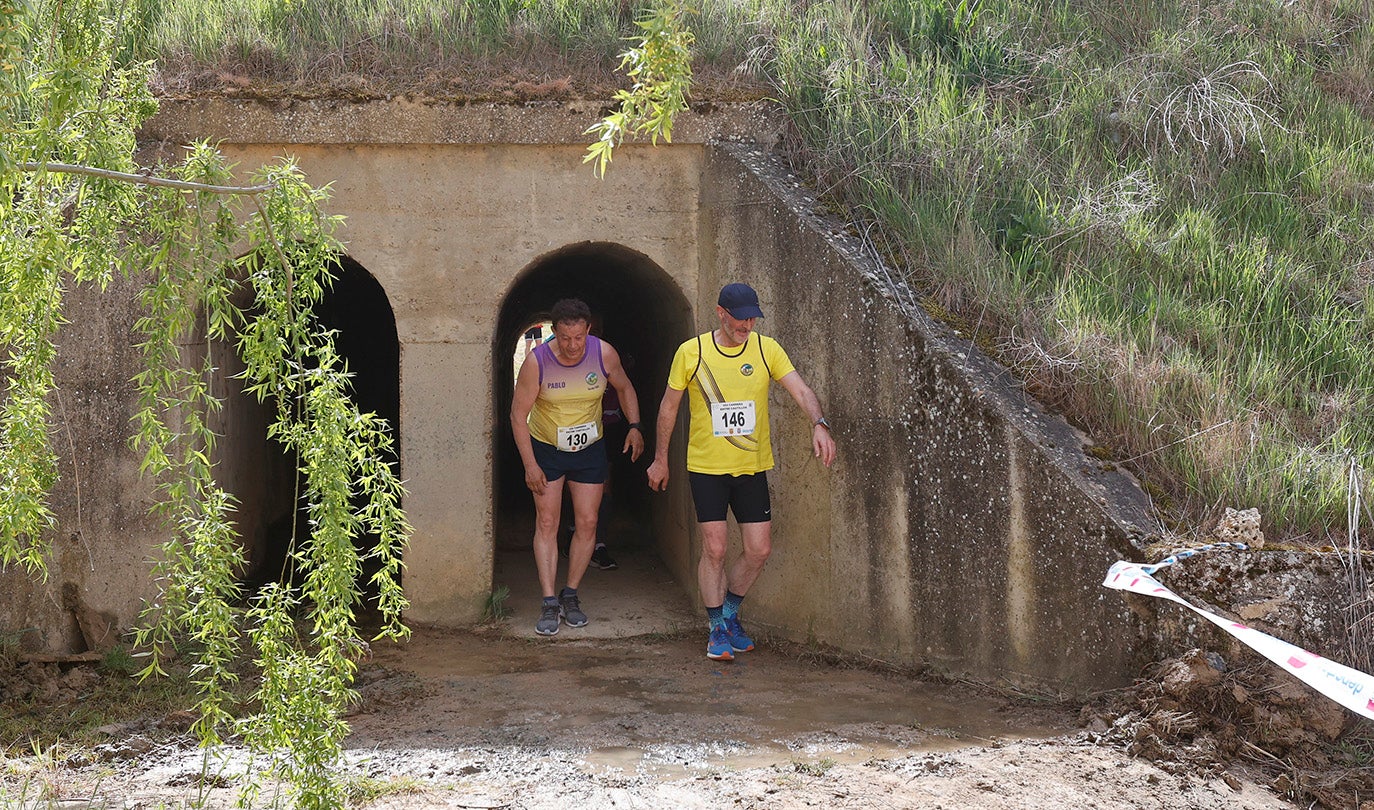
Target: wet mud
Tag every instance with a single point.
(497, 720)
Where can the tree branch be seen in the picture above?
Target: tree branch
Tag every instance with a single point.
(69, 168)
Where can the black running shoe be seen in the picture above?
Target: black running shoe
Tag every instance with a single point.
(601, 558)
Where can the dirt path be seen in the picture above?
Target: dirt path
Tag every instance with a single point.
(652, 723)
(498, 720)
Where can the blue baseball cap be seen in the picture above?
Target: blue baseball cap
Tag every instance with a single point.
(740, 301)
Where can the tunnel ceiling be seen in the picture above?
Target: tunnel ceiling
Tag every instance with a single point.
(638, 302)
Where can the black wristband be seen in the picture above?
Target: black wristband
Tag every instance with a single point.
(636, 426)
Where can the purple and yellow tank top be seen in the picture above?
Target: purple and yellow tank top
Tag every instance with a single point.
(567, 412)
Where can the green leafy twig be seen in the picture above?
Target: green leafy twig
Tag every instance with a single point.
(661, 67)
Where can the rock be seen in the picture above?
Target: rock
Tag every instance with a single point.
(1289, 691)
(78, 679)
(46, 692)
(1326, 718)
(116, 729)
(180, 720)
(1260, 609)
(1094, 722)
(1308, 708)
(1189, 674)
(99, 629)
(1240, 526)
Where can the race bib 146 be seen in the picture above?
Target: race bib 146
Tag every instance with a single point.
(732, 418)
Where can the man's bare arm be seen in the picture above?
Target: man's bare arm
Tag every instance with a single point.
(667, 420)
(822, 443)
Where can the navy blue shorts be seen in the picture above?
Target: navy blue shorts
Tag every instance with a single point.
(587, 466)
(745, 495)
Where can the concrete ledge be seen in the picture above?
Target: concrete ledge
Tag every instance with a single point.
(412, 121)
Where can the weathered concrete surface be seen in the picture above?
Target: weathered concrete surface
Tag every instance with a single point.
(99, 573)
(447, 208)
(961, 527)
(446, 250)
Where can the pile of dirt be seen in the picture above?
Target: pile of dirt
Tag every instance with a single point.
(496, 79)
(42, 682)
(1197, 713)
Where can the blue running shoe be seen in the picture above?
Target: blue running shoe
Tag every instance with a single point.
(739, 640)
(718, 645)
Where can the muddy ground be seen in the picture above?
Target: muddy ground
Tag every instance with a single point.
(496, 720)
(628, 712)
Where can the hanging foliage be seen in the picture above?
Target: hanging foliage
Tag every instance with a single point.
(661, 68)
(75, 209)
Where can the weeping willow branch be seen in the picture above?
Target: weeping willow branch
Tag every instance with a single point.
(140, 179)
(76, 209)
(661, 67)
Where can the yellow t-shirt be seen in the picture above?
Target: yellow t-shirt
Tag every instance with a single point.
(727, 394)
(567, 412)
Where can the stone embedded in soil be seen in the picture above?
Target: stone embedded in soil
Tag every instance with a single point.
(1186, 676)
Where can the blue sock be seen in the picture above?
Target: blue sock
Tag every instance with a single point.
(715, 617)
(731, 606)
(567, 592)
(551, 601)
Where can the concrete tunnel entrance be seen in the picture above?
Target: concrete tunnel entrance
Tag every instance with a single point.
(644, 315)
(261, 473)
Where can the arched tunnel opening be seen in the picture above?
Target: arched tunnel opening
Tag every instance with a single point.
(261, 472)
(638, 309)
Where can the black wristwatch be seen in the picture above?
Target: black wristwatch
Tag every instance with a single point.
(635, 425)
(823, 422)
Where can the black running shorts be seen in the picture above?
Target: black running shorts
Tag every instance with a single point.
(745, 495)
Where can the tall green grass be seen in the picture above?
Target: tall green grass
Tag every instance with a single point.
(1162, 217)
(1160, 214)
(301, 39)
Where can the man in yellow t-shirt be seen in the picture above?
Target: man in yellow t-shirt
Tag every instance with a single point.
(726, 374)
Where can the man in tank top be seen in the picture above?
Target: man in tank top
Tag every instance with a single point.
(556, 418)
(726, 374)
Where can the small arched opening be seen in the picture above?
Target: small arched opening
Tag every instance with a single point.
(258, 470)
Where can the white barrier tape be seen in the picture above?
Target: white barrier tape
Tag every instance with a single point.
(1351, 688)
(1185, 553)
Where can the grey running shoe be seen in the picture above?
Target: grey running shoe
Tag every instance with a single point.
(548, 620)
(572, 611)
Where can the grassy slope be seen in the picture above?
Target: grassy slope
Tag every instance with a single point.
(1159, 214)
